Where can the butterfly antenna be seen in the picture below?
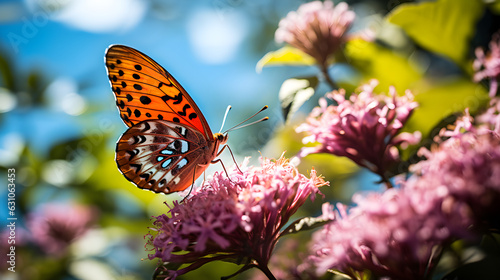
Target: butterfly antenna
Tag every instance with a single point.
(248, 124)
(225, 116)
(240, 124)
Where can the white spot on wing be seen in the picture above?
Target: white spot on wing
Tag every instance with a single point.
(182, 163)
(166, 163)
(185, 146)
(183, 130)
(166, 152)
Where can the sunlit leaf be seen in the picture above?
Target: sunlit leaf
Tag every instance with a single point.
(444, 26)
(285, 56)
(294, 92)
(438, 101)
(339, 273)
(377, 62)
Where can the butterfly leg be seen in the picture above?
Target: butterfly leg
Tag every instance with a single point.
(223, 167)
(231, 152)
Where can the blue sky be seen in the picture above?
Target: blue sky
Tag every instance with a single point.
(209, 47)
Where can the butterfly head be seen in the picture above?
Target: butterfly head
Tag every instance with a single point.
(221, 138)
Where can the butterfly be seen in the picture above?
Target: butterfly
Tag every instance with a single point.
(168, 143)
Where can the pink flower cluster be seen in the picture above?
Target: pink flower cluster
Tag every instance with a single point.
(490, 119)
(488, 66)
(235, 218)
(317, 28)
(364, 127)
(55, 226)
(399, 233)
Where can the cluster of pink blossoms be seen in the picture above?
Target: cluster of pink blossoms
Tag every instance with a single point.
(235, 218)
(399, 233)
(55, 226)
(487, 66)
(317, 28)
(364, 127)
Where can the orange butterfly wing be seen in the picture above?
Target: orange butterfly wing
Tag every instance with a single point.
(168, 143)
(144, 90)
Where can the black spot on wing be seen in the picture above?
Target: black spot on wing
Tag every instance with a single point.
(145, 100)
(136, 166)
(139, 139)
(183, 112)
(145, 176)
(146, 127)
(132, 154)
(162, 182)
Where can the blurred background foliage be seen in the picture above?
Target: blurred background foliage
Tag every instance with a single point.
(59, 124)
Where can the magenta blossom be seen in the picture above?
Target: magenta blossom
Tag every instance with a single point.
(317, 28)
(237, 219)
(55, 226)
(489, 121)
(365, 128)
(468, 166)
(399, 233)
(385, 234)
(488, 66)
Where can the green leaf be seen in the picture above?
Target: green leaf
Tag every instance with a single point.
(339, 273)
(374, 61)
(294, 92)
(440, 100)
(306, 223)
(287, 55)
(444, 26)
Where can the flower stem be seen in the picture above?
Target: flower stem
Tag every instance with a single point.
(388, 184)
(324, 70)
(266, 271)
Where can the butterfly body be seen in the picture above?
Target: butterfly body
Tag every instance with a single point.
(168, 143)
